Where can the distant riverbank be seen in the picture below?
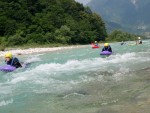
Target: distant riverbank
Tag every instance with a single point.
(23, 51)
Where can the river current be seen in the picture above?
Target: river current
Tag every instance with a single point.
(79, 80)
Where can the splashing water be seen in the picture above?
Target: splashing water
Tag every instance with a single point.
(80, 81)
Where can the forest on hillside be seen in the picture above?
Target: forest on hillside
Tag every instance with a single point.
(48, 21)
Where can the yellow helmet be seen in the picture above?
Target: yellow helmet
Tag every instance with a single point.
(9, 55)
(139, 38)
(106, 45)
(95, 41)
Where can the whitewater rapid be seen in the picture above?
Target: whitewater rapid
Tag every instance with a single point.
(74, 78)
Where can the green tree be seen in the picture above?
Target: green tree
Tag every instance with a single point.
(118, 35)
(49, 21)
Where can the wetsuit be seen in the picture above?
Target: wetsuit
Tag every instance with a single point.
(140, 41)
(107, 49)
(14, 62)
(122, 43)
(96, 44)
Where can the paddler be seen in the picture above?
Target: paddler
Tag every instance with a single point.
(107, 47)
(13, 61)
(122, 43)
(96, 43)
(139, 40)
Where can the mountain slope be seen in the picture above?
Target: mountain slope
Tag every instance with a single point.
(132, 15)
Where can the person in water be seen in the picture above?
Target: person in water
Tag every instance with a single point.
(122, 43)
(107, 47)
(139, 40)
(10, 60)
(96, 43)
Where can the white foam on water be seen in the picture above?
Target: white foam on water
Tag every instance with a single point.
(121, 73)
(118, 58)
(44, 72)
(111, 102)
(33, 59)
(47, 77)
(17, 80)
(73, 94)
(4, 103)
(5, 89)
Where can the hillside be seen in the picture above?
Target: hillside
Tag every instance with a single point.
(131, 15)
(48, 21)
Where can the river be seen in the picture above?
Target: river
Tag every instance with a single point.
(79, 80)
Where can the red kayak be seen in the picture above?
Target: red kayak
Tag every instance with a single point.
(95, 46)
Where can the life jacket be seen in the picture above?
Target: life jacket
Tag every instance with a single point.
(140, 41)
(106, 49)
(12, 61)
(96, 44)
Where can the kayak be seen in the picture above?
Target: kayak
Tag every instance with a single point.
(94, 46)
(7, 68)
(105, 53)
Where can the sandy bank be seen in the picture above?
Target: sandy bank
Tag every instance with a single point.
(37, 50)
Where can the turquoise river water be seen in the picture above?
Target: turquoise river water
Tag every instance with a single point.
(80, 81)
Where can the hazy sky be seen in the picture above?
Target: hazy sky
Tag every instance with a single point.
(83, 1)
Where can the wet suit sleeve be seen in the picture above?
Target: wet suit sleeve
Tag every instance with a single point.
(16, 63)
(110, 50)
(103, 49)
(9, 62)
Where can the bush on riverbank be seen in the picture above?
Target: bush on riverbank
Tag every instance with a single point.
(119, 36)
